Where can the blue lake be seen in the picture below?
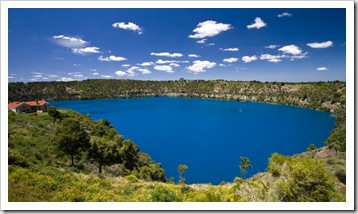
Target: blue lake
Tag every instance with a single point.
(209, 136)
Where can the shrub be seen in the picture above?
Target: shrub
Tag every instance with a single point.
(131, 178)
(164, 194)
(341, 175)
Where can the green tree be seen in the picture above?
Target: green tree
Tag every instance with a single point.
(311, 147)
(52, 111)
(70, 138)
(244, 164)
(103, 152)
(182, 169)
(129, 153)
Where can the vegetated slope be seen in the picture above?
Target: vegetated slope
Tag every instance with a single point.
(38, 171)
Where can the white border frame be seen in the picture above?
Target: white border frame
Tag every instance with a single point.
(348, 205)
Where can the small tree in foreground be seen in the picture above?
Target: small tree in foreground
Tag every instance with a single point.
(70, 138)
(244, 164)
(181, 169)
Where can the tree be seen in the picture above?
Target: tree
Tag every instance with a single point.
(70, 138)
(52, 111)
(103, 152)
(181, 169)
(311, 147)
(244, 164)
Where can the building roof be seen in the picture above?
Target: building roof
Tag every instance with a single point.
(30, 103)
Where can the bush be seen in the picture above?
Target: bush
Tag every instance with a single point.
(341, 175)
(163, 194)
(131, 178)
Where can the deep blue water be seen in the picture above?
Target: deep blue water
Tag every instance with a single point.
(209, 136)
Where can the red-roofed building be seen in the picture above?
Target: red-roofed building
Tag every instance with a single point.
(28, 107)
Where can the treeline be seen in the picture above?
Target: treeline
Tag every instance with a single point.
(69, 137)
(326, 96)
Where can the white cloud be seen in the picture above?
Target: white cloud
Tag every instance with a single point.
(202, 41)
(120, 73)
(130, 26)
(52, 75)
(232, 59)
(258, 24)
(86, 50)
(210, 44)
(167, 54)
(66, 79)
(272, 58)
(222, 65)
(291, 49)
(322, 69)
(106, 76)
(248, 59)
(101, 58)
(284, 14)
(320, 45)
(69, 42)
(165, 68)
(209, 29)
(199, 66)
(146, 64)
(95, 73)
(116, 58)
(111, 58)
(75, 74)
(272, 46)
(126, 65)
(193, 55)
(229, 49)
(174, 65)
(78, 65)
(144, 71)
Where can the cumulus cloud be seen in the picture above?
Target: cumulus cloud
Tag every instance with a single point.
(248, 59)
(320, 45)
(229, 49)
(174, 65)
(69, 42)
(159, 61)
(272, 46)
(130, 26)
(209, 29)
(202, 41)
(291, 49)
(210, 44)
(95, 73)
(146, 64)
(199, 66)
(258, 24)
(167, 54)
(65, 79)
(322, 69)
(272, 58)
(193, 55)
(232, 59)
(107, 76)
(284, 14)
(126, 65)
(120, 73)
(165, 68)
(75, 74)
(111, 58)
(144, 71)
(86, 50)
(116, 58)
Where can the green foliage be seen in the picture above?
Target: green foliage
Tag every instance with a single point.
(244, 164)
(56, 115)
(164, 194)
(182, 169)
(311, 147)
(131, 178)
(70, 138)
(341, 175)
(103, 152)
(301, 179)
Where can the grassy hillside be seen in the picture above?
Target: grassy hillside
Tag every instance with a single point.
(40, 171)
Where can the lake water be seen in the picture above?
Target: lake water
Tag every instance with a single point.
(209, 136)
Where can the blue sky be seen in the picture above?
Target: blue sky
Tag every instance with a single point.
(167, 44)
